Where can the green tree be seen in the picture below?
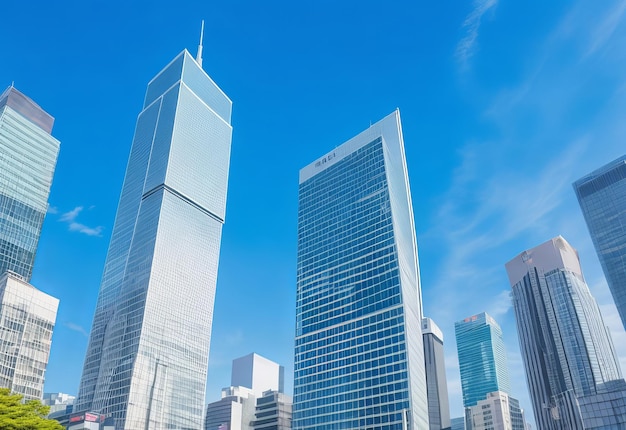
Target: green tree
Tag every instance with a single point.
(15, 415)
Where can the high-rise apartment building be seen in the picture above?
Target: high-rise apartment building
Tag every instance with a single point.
(147, 358)
(566, 348)
(482, 358)
(358, 361)
(602, 198)
(436, 381)
(28, 155)
(27, 318)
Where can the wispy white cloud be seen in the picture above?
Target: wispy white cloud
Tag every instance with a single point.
(467, 45)
(70, 218)
(52, 210)
(76, 328)
(606, 28)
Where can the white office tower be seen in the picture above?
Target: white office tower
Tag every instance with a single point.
(257, 373)
(273, 412)
(148, 353)
(492, 413)
(252, 377)
(27, 318)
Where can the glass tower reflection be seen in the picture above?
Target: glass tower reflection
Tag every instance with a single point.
(147, 358)
(359, 358)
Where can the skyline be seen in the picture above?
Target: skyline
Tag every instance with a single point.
(525, 126)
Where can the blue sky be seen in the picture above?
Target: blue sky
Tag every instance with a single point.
(504, 104)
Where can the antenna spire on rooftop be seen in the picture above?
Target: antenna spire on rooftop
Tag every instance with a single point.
(199, 56)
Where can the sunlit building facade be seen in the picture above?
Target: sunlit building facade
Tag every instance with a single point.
(567, 351)
(482, 358)
(436, 381)
(27, 318)
(147, 357)
(359, 358)
(602, 198)
(28, 156)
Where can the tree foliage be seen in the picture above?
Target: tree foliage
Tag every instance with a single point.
(31, 415)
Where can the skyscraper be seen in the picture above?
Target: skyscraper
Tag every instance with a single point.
(482, 358)
(437, 384)
(358, 362)
(27, 318)
(147, 358)
(28, 155)
(567, 351)
(602, 198)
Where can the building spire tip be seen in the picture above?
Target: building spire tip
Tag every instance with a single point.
(199, 55)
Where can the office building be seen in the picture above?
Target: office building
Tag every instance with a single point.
(436, 382)
(485, 372)
(58, 402)
(566, 347)
(602, 198)
(493, 412)
(457, 423)
(147, 357)
(273, 412)
(27, 318)
(358, 361)
(257, 373)
(252, 378)
(234, 411)
(28, 155)
(482, 358)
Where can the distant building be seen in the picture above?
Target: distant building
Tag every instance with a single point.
(602, 198)
(273, 412)
(568, 354)
(253, 377)
(436, 382)
(57, 401)
(28, 156)
(359, 358)
(27, 318)
(234, 411)
(257, 373)
(457, 423)
(492, 413)
(482, 358)
(484, 371)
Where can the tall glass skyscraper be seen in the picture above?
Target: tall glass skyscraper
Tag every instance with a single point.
(567, 351)
(359, 359)
(602, 198)
(482, 358)
(28, 155)
(147, 358)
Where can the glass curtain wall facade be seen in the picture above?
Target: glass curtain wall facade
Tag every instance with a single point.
(482, 358)
(566, 347)
(28, 156)
(602, 198)
(434, 358)
(27, 318)
(358, 363)
(147, 358)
